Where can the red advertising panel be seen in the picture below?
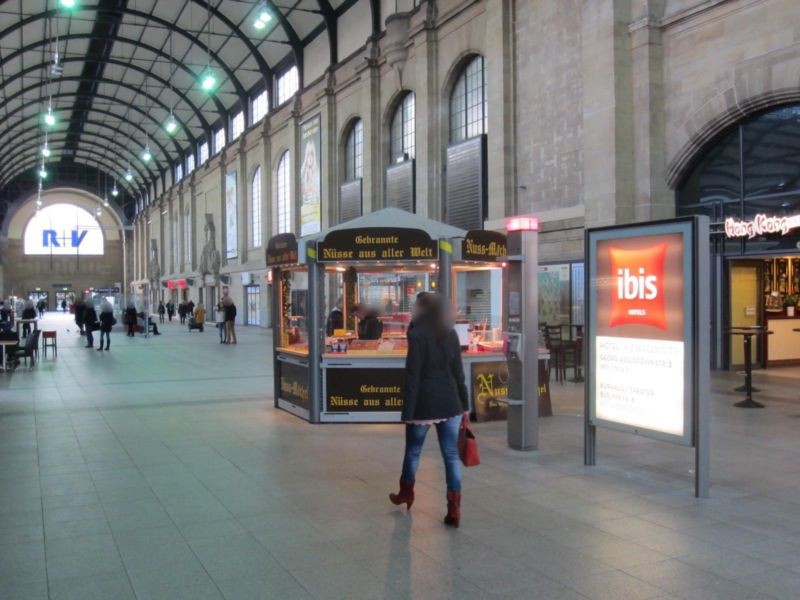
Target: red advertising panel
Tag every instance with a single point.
(641, 329)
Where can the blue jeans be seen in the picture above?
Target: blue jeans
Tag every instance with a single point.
(447, 431)
(89, 336)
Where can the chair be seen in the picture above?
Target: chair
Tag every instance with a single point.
(49, 340)
(555, 344)
(30, 349)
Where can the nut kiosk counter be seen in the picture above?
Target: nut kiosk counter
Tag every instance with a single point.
(343, 302)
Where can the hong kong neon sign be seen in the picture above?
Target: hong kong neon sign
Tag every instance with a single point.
(761, 225)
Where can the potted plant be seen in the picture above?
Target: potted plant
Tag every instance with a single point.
(790, 301)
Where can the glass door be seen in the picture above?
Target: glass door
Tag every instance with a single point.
(746, 307)
(253, 301)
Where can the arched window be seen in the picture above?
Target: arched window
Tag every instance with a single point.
(752, 168)
(402, 135)
(255, 209)
(283, 196)
(468, 107)
(354, 152)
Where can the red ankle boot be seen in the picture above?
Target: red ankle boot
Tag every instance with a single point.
(453, 517)
(406, 494)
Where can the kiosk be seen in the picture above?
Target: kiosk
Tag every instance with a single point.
(343, 301)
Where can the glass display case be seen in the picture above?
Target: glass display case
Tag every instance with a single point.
(293, 293)
(477, 307)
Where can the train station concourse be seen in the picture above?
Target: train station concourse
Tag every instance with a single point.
(399, 299)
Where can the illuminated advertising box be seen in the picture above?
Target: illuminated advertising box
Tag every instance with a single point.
(641, 329)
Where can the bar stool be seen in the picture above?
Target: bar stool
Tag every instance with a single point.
(555, 344)
(49, 340)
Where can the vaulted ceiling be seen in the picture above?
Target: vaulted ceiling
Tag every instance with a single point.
(123, 66)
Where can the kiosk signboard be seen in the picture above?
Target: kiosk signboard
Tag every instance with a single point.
(282, 250)
(293, 382)
(643, 324)
(364, 390)
(377, 244)
(482, 246)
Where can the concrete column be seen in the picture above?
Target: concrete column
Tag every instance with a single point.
(266, 183)
(328, 162)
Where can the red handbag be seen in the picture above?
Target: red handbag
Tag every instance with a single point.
(468, 445)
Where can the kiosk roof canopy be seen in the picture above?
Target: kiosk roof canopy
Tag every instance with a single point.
(395, 217)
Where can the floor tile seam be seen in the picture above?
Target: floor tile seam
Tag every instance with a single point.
(41, 505)
(101, 408)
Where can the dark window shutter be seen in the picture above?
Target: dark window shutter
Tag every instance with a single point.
(465, 198)
(400, 188)
(349, 200)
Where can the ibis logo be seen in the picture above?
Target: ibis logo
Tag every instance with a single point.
(637, 297)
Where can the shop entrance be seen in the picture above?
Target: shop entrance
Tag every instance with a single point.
(61, 297)
(765, 292)
(38, 295)
(746, 307)
(253, 301)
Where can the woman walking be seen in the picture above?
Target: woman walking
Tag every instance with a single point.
(130, 319)
(90, 323)
(230, 318)
(161, 310)
(106, 323)
(436, 394)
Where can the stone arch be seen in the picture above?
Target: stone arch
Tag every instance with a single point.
(764, 82)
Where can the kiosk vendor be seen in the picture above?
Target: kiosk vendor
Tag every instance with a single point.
(343, 301)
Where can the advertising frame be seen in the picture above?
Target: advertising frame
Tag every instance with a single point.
(695, 307)
(231, 216)
(310, 175)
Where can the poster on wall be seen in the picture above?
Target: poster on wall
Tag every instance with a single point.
(554, 294)
(310, 176)
(640, 327)
(231, 216)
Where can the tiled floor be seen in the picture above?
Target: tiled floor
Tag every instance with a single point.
(161, 470)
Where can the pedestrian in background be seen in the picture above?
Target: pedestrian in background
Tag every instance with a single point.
(29, 312)
(182, 312)
(161, 310)
(80, 310)
(200, 316)
(229, 309)
(220, 316)
(63, 306)
(170, 310)
(90, 324)
(107, 321)
(130, 319)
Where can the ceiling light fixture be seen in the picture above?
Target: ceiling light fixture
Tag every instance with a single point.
(263, 17)
(49, 116)
(68, 4)
(171, 124)
(129, 174)
(146, 154)
(45, 151)
(42, 172)
(114, 190)
(208, 80)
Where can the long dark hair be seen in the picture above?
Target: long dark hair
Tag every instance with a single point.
(431, 308)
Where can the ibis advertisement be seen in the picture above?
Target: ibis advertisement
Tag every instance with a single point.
(639, 315)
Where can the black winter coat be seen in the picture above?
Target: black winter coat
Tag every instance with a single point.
(130, 316)
(230, 312)
(106, 321)
(435, 386)
(89, 318)
(29, 313)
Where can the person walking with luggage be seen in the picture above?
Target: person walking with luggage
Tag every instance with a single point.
(130, 319)
(170, 310)
(107, 321)
(199, 316)
(229, 309)
(161, 310)
(435, 394)
(90, 324)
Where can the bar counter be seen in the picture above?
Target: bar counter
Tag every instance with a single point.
(782, 348)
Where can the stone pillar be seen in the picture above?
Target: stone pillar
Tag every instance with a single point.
(429, 110)
(607, 112)
(653, 199)
(500, 96)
